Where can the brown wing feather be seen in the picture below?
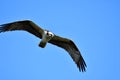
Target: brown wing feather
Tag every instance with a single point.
(25, 25)
(69, 46)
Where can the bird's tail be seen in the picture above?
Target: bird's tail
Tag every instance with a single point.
(42, 44)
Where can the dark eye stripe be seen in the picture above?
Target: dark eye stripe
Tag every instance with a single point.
(47, 33)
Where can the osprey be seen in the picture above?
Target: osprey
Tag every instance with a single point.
(47, 37)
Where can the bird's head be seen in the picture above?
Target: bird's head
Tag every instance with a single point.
(47, 35)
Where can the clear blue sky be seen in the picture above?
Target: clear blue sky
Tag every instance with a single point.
(94, 26)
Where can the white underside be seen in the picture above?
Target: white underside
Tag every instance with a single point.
(45, 38)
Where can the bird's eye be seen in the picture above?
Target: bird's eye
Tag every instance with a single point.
(47, 33)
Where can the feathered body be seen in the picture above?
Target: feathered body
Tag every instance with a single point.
(47, 37)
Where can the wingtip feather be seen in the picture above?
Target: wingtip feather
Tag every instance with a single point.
(2, 28)
(81, 65)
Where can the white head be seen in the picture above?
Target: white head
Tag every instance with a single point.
(47, 35)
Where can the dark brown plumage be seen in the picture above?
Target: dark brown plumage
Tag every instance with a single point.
(64, 43)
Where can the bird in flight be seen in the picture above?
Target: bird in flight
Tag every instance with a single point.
(47, 37)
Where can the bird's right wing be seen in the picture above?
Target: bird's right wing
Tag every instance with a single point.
(25, 25)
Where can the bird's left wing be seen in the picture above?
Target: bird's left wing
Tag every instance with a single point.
(25, 25)
(70, 47)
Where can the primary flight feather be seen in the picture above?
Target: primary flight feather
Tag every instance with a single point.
(49, 37)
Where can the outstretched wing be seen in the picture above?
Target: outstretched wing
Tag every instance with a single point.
(69, 46)
(25, 25)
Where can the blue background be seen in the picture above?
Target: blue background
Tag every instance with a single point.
(94, 26)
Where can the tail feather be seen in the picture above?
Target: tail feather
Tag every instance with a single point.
(42, 44)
